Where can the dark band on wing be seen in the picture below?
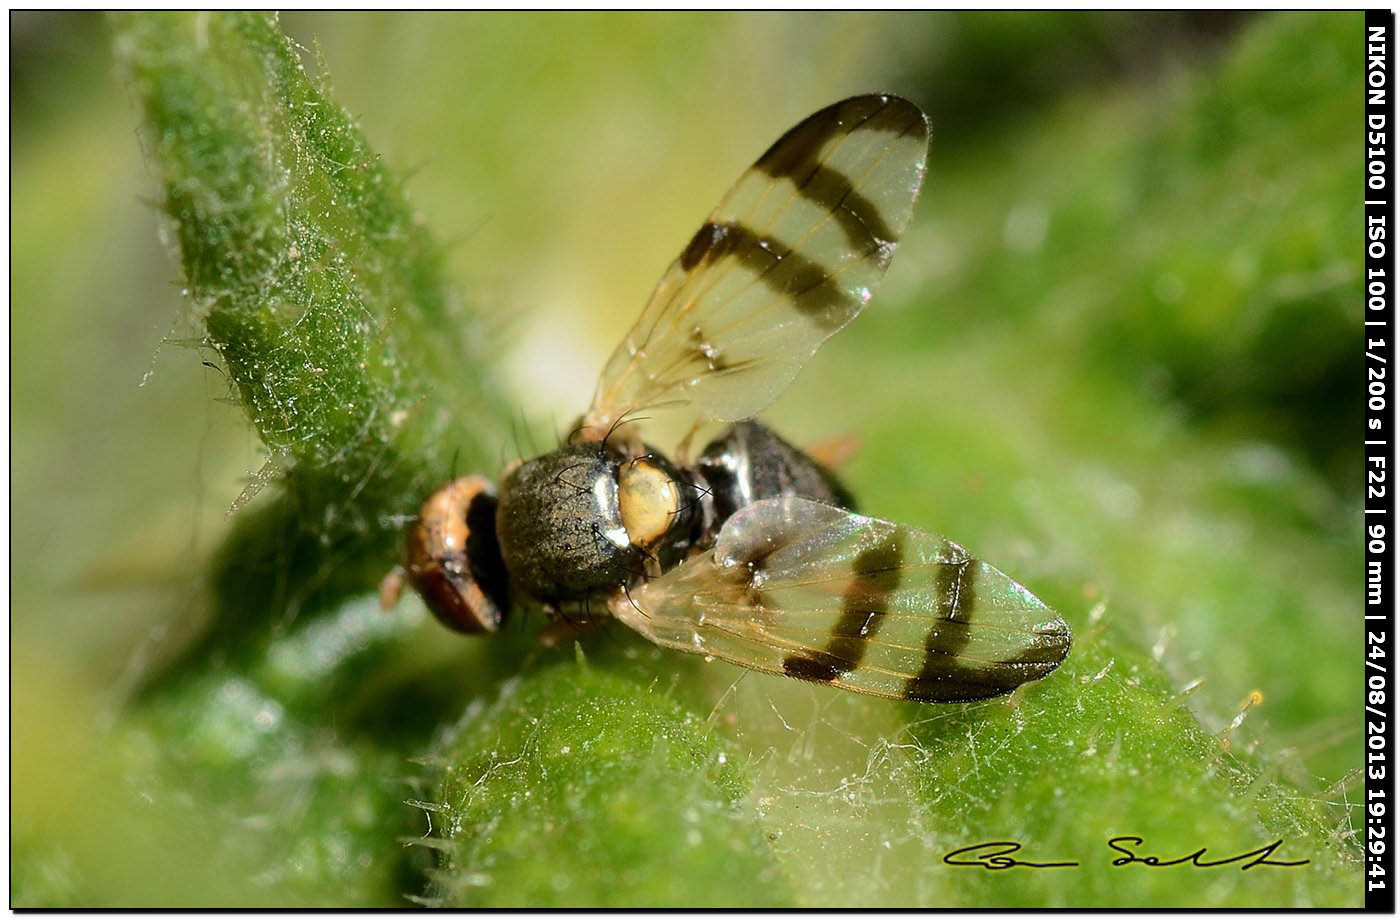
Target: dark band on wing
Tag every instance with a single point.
(964, 683)
(956, 592)
(877, 572)
(795, 156)
(944, 678)
(809, 285)
(844, 117)
(857, 215)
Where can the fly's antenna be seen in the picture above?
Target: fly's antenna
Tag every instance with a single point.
(452, 467)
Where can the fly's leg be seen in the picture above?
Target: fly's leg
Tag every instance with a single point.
(563, 628)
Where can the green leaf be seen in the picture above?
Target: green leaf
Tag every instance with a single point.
(580, 785)
(319, 289)
(323, 297)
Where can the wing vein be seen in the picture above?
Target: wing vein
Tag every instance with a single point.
(684, 293)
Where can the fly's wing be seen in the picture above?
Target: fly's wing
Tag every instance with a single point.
(793, 253)
(819, 593)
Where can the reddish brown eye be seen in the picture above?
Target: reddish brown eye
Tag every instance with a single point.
(453, 560)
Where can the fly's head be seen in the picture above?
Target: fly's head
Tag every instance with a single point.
(453, 559)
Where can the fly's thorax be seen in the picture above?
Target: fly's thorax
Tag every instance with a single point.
(560, 529)
(586, 518)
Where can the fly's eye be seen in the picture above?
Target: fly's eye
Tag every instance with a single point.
(648, 501)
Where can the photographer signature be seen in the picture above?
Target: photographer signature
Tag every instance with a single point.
(996, 856)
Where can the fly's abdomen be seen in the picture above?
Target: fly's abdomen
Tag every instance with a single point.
(749, 463)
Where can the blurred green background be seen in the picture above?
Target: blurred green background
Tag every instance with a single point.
(1115, 356)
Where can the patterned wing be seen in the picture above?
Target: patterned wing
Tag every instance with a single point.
(792, 254)
(819, 593)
